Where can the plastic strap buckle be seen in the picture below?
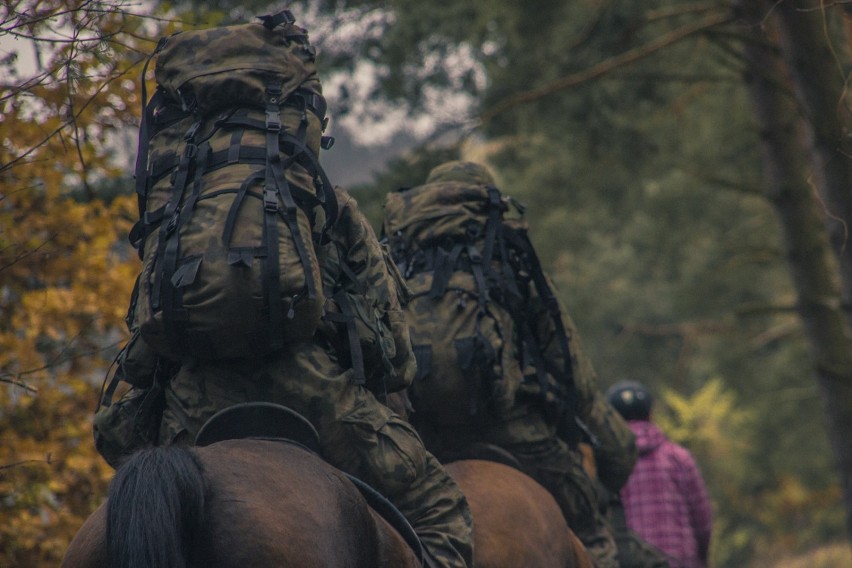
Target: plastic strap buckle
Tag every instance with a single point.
(273, 121)
(270, 200)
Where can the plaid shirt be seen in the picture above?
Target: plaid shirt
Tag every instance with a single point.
(665, 500)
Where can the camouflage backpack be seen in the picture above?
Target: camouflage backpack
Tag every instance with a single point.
(472, 271)
(232, 199)
(365, 294)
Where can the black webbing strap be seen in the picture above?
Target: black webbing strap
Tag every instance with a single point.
(179, 277)
(172, 294)
(509, 281)
(276, 182)
(276, 193)
(302, 106)
(347, 317)
(272, 21)
(360, 287)
(295, 148)
(146, 118)
(200, 169)
(252, 155)
(171, 213)
(325, 193)
(110, 383)
(271, 282)
(114, 377)
(134, 299)
(392, 515)
(531, 348)
(141, 168)
(492, 225)
(300, 99)
(522, 243)
(479, 269)
(139, 232)
(305, 101)
(444, 263)
(489, 355)
(234, 146)
(271, 192)
(233, 212)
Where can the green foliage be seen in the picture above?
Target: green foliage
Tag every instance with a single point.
(718, 432)
(828, 556)
(760, 511)
(643, 195)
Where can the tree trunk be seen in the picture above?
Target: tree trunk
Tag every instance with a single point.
(819, 83)
(815, 269)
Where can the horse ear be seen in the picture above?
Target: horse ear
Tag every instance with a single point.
(259, 420)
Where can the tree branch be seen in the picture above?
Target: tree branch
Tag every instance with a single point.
(18, 383)
(69, 121)
(751, 189)
(47, 460)
(682, 329)
(69, 78)
(26, 253)
(605, 66)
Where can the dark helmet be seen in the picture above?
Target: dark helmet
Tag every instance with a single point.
(631, 399)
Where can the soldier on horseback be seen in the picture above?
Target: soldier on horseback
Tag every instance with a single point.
(261, 281)
(499, 360)
(358, 434)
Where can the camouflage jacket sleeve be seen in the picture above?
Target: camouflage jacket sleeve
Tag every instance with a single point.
(615, 447)
(375, 292)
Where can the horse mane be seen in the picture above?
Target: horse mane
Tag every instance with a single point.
(147, 533)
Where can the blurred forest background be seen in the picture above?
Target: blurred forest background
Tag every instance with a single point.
(686, 170)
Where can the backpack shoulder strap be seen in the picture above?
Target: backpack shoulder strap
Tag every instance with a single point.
(569, 404)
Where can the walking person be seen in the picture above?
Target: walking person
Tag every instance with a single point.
(665, 499)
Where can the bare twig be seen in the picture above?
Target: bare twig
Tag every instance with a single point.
(26, 253)
(678, 329)
(680, 10)
(69, 80)
(70, 120)
(47, 460)
(17, 379)
(18, 383)
(752, 189)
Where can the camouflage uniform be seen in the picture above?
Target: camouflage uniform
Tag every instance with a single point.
(633, 551)
(358, 434)
(531, 435)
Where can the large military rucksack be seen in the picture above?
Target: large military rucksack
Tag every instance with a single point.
(473, 273)
(232, 199)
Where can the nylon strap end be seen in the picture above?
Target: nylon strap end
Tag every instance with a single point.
(272, 21)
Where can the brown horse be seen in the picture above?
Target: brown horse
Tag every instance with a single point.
(256, 502)
(235, 503)
(517, 523)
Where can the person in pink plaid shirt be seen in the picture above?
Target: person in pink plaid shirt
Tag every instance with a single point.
(665, 498)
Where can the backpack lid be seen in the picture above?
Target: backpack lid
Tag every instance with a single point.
(458, 170)
(236, 65)
(458, 197)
